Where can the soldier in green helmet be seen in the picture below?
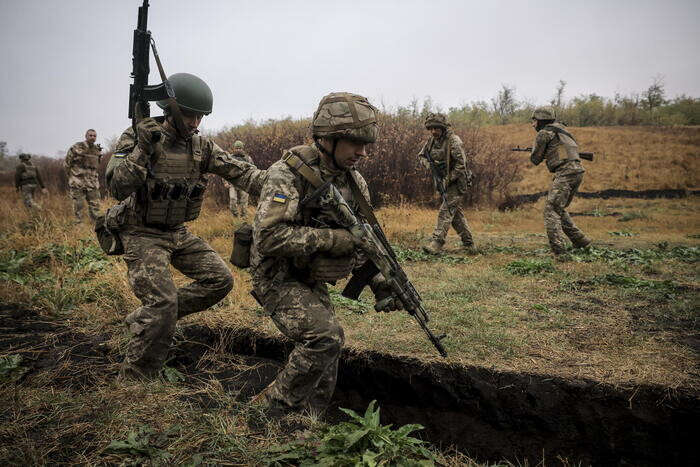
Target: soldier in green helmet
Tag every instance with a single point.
(298, 249)
(237, 198)
(557, 146)
(445, 149)
(160, 177)
(27, 179)
(81, 164)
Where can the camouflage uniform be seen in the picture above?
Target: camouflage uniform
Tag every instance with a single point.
(568, 175)
(82, 161)
(150, 249)
(287, 240)
(27, 178)
(237, 198)
(448, 154)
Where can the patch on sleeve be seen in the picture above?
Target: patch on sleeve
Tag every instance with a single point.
(279, 198)
(119, 154)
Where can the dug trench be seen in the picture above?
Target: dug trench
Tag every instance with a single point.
(489, 415)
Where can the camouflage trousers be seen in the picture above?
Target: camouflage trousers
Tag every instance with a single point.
(557, 221)
(238, 202)
(28, 196)
(148, 254)
(80, 196)
(451, 214)
(305, 315)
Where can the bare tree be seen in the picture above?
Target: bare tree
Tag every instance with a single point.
(504, 104)
(558, 95)
(655, 95)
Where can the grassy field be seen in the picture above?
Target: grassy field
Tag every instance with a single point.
(624, 312)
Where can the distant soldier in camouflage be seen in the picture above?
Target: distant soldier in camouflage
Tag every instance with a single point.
(446, 150)
(558, 147)
(27, 179)
(237, 198)
(160, 176)
(82, 161)
(297, 249)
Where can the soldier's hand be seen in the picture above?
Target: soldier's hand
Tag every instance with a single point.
(385, 298)
(339, 242)
(149, 134)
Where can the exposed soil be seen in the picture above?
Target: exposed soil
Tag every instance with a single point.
(490, 415)
(514, 202)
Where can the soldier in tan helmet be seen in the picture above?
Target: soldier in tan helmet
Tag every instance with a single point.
(446, 150)
(558, 147)
(82, 161)
(237, 198)
(298, 249)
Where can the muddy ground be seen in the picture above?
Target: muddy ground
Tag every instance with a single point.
(487, 414)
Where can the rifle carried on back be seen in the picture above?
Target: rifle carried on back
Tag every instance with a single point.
(371, 239)
(438, 178)
(140, 92)
(583, 155)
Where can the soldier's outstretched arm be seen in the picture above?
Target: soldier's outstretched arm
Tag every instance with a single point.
(275, 228)
(541, 141)
(241, 174)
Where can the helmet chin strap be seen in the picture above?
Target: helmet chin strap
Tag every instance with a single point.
(329, 154)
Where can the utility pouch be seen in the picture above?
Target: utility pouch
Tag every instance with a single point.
(107, 229)
(242, 239)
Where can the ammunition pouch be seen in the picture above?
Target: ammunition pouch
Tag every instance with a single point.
(173, 202)
(107, 229)
(28, 175)
(331, 269)
(242, 241)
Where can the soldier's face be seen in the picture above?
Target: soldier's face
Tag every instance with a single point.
(192, 121)
(348, 153)
(91, 137)
(436, 132)
(534, 124)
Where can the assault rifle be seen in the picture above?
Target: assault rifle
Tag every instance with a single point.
(583, 155)
(373, 242)
(140, 92)
(438, 179)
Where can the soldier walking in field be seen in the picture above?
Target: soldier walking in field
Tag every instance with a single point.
(82, 161)
(452, 177)
(160, 176)
(558, 147)
(27, 178)
(237, 198)
(298, 248)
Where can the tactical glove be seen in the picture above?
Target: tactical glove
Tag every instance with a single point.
(338, 242)
(383, 295)
(149, 133)
(326, 268)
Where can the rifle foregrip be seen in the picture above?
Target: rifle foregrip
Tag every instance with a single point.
(586, 155)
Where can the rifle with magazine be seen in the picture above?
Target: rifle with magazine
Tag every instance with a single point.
(583, 155)
(437, 174)
(371, 239)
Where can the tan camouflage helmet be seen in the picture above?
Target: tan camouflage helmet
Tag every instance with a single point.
(24, 156)
(238, 144)
(543, 113)
(345, 115)
(436, 120)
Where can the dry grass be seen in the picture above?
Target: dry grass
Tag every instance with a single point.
(633, 158)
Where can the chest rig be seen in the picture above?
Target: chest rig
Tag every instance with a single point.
(566, 150)
(175, 186)
(29, 174)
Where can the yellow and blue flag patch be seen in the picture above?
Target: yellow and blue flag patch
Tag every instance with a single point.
(279, 198)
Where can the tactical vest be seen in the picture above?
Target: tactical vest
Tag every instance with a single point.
(91, 161)
(566, 151)
(29, 175)
(175, 187)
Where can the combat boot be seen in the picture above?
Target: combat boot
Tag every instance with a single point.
(469, 248)
(582, 243)
(433, 247)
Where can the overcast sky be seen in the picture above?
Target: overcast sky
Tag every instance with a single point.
(64, 65)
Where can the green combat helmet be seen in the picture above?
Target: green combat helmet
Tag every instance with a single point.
(238, 144)
(345, 115)
(191, 93)
(436, 120)
(543, 113)
(24, 156)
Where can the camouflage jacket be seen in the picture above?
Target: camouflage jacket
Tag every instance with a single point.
(240, 156)
(27, 173)
(81, 164)
(126, 173)
(549, 147)
(286, 234)
(453, 168)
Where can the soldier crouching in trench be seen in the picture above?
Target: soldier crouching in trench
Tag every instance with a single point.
(297, 249)
(161, 186)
